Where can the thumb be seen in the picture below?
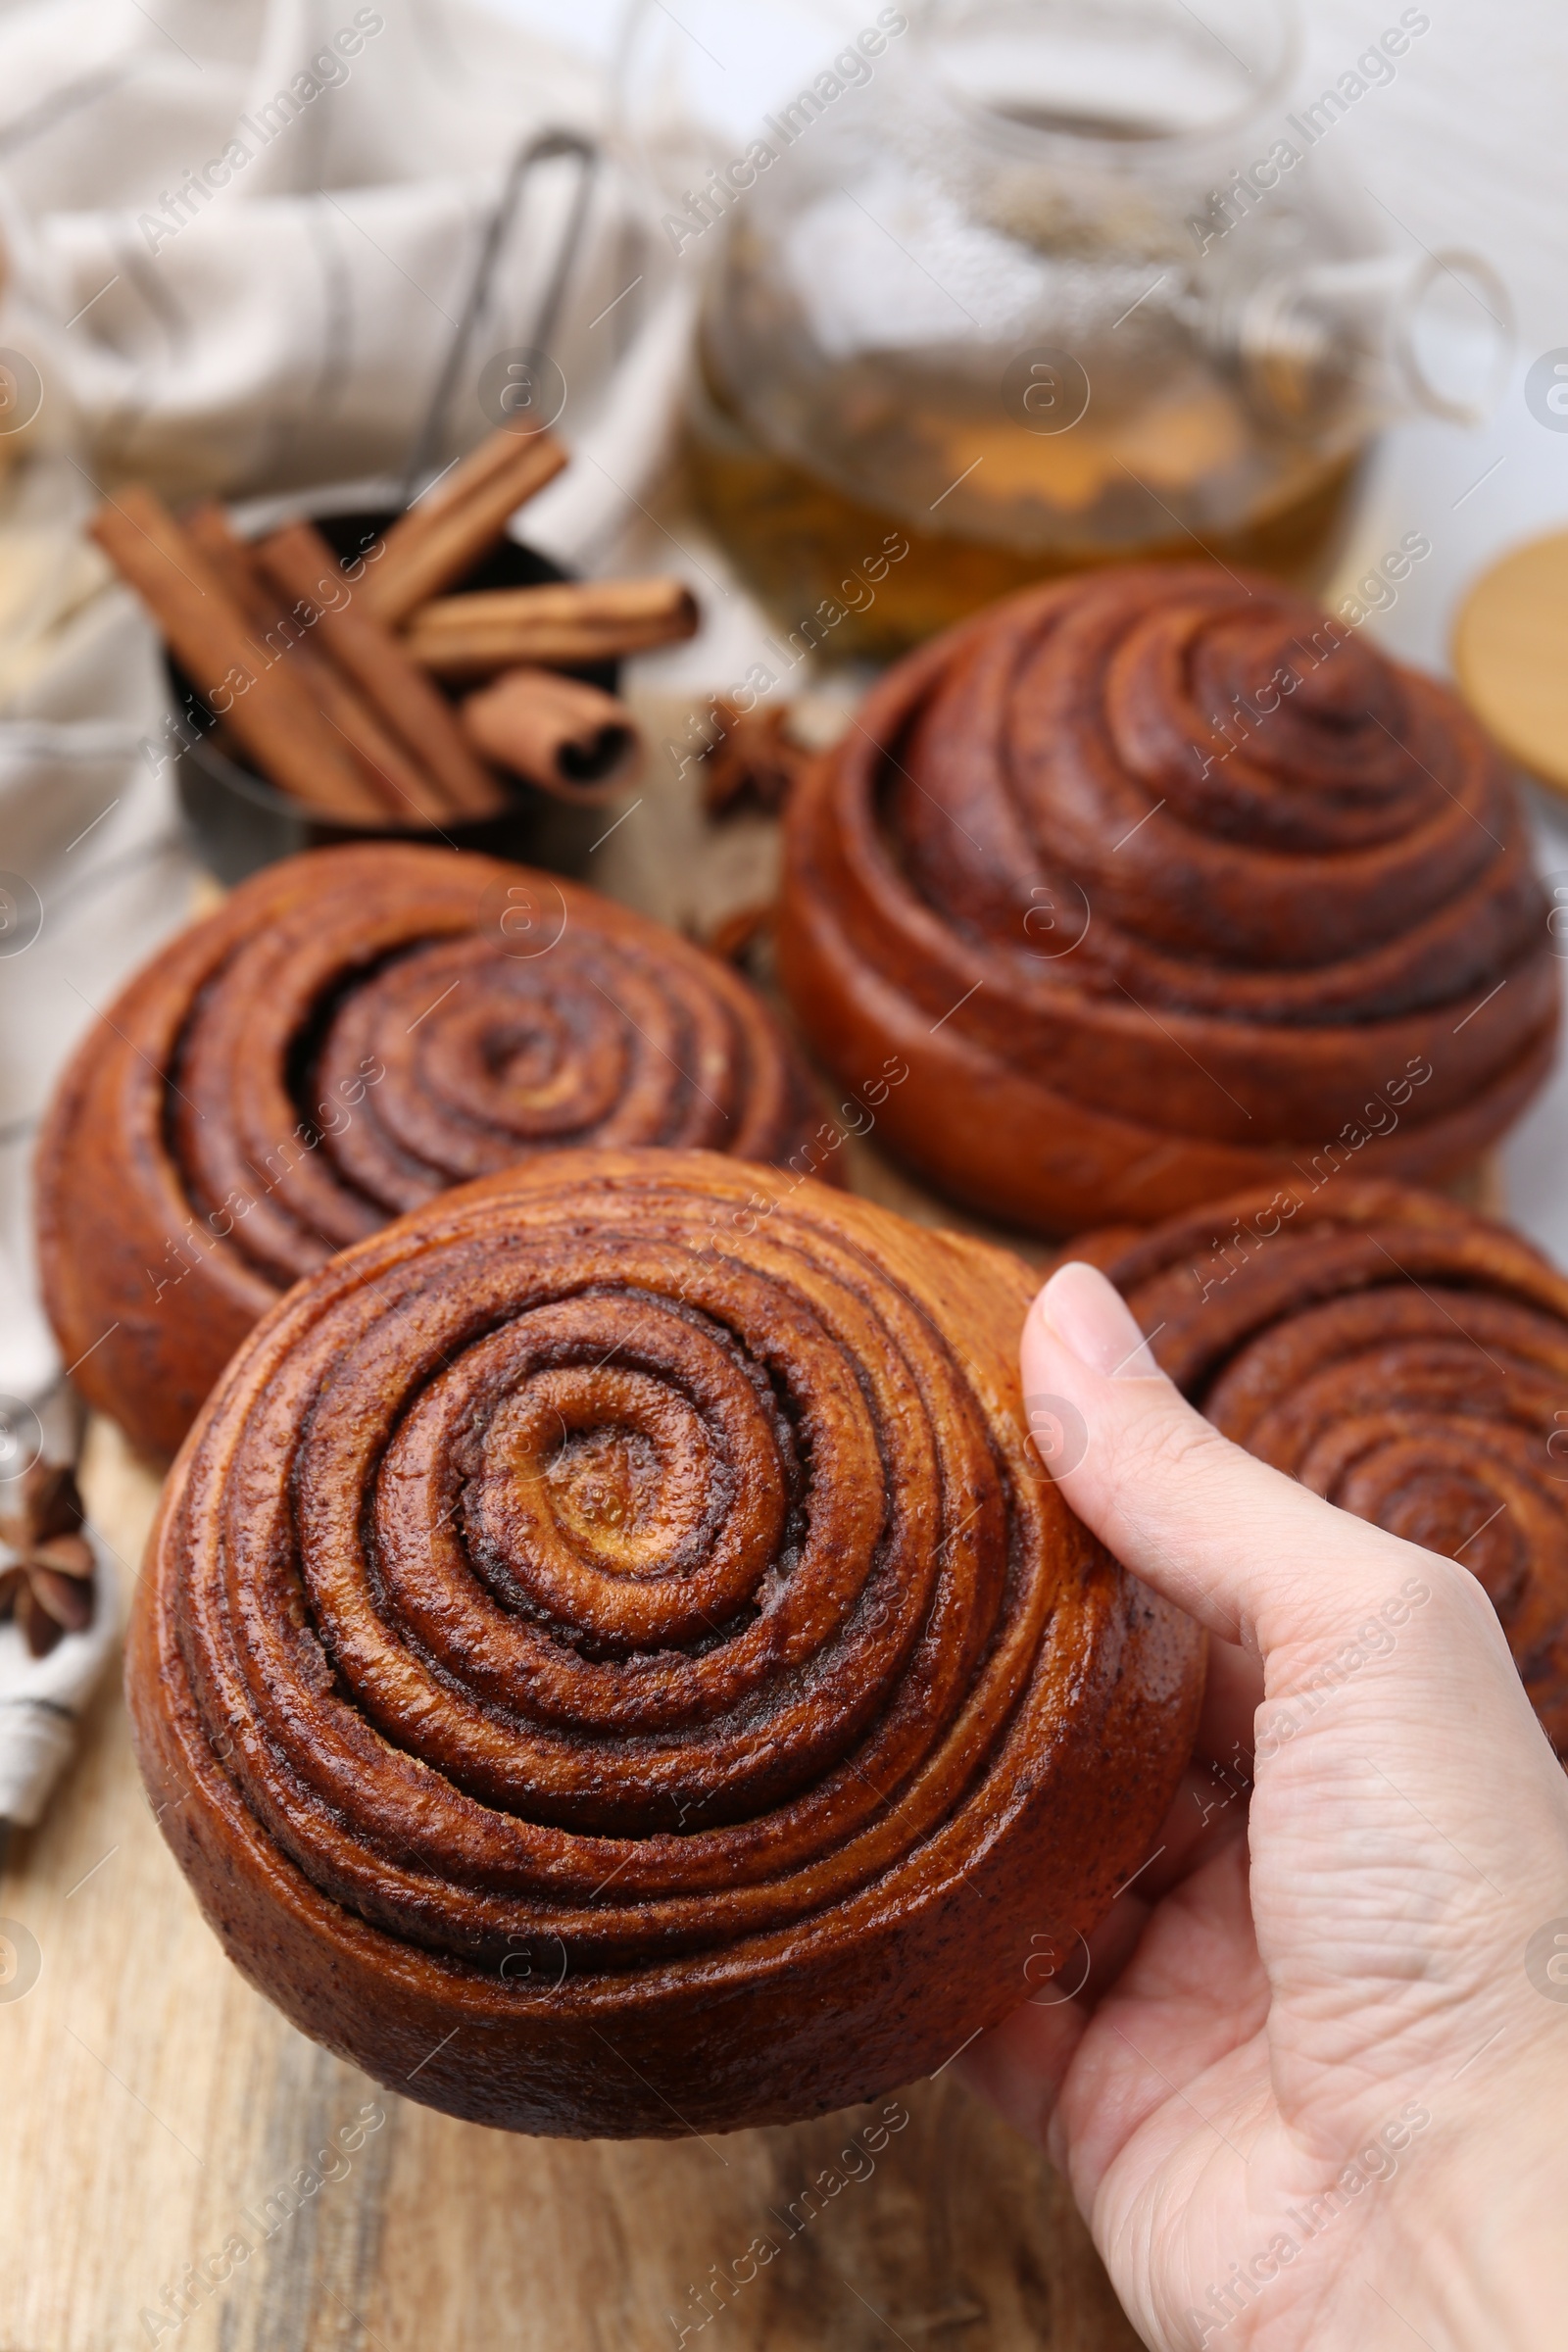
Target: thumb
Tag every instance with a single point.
(1252, 1555)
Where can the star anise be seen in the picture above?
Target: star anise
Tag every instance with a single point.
(47, 1584)
(735, 935)
(752, 762)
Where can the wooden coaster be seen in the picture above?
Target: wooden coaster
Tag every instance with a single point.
(1510, 655)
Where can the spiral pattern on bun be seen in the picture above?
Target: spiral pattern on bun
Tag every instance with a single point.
(352, 1032)
(630, 1671)
(1396, 1353)
(1158, 879)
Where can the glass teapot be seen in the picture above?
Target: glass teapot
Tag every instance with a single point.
(1015, 286)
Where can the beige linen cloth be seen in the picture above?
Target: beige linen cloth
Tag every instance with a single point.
(236, 238)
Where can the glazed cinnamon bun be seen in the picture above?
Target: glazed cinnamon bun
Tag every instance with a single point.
(627, 1670)
(1161, 880)
(352, 1032)
(1398, 1354)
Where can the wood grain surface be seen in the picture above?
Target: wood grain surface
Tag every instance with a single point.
(1508, 645)
(162, 2171)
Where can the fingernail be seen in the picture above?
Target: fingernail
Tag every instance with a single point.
(1090, 1318)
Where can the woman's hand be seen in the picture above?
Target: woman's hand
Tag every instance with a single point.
(1313, 2092)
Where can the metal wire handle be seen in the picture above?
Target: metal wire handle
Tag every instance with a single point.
(542, 149)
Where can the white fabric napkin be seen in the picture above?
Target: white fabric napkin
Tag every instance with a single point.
(235, 243)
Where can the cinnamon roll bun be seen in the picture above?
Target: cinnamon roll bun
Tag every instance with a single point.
(1158, 879)
(627, 1671)
(1396, 1353)
(353, 1030)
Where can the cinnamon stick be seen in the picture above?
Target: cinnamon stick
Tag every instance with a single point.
(560, 734)
(563, 624)
(298, 560)
(402, 786)
(262, 702)
(446, 533)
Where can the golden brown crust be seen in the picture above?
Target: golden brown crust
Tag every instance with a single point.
(1136, 959)
(352, 1032)
(1396, 1354)
(627, 1670)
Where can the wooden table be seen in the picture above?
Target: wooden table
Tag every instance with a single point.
(158, 2111)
